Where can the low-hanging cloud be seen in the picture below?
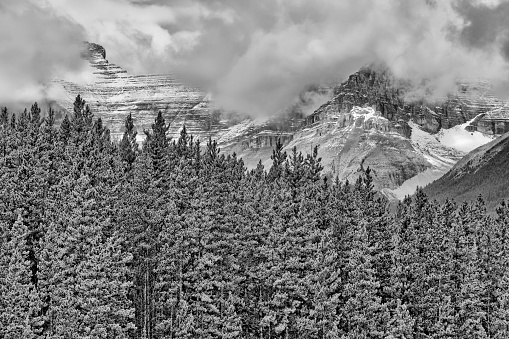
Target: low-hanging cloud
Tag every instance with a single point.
(36, 46)
(256, 56)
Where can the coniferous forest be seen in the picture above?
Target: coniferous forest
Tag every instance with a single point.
(173, 239)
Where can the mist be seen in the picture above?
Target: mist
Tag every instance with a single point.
(257, 56)
(37, 46)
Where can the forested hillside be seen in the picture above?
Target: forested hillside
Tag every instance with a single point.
(484, 171)
(176, 240)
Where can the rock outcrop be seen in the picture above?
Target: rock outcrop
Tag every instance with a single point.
(352, 141)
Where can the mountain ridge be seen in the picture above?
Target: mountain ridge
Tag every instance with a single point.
(484, 171)
(367, 122)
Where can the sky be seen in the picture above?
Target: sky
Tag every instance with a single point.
(256, 56)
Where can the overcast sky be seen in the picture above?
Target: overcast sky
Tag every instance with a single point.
(256, 55)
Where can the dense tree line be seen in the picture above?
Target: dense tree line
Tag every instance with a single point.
(175, 240)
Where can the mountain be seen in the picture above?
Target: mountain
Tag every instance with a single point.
(112, 94)
(472, 101)
(369, 120)
(484, 171)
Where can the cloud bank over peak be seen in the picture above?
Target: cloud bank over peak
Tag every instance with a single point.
(256, 56)
(36, 46)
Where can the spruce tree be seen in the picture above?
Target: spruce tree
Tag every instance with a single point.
(157, 144)
(65, 129)
(13, 121)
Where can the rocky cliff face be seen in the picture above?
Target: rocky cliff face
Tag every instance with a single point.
(409, 143)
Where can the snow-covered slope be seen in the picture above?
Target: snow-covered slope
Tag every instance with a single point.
(459, 138)
(439, 156)
(442, 150)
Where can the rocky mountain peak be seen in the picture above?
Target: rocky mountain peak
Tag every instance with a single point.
(377, 87)
(92, 51)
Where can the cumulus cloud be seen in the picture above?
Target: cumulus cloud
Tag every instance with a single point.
(256, 56)
(36, 45)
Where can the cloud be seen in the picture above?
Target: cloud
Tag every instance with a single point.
(37, 45)
(256, 56)
(486, 25)
(324, 40)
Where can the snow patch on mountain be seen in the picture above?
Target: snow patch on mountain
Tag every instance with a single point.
(460, 139)
(442, 150)
(437, 154)
(367, 113)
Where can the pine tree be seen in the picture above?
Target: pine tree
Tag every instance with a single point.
(439, 311)
(365, 314)
(13, 121)
(65, 129)
(50, 119)
(401, 324)
(471, 311)
(81, 121)
(4, 117)
(128, 144)
(84, 269)
(35, 114)
(156, 144)
(278, 159)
